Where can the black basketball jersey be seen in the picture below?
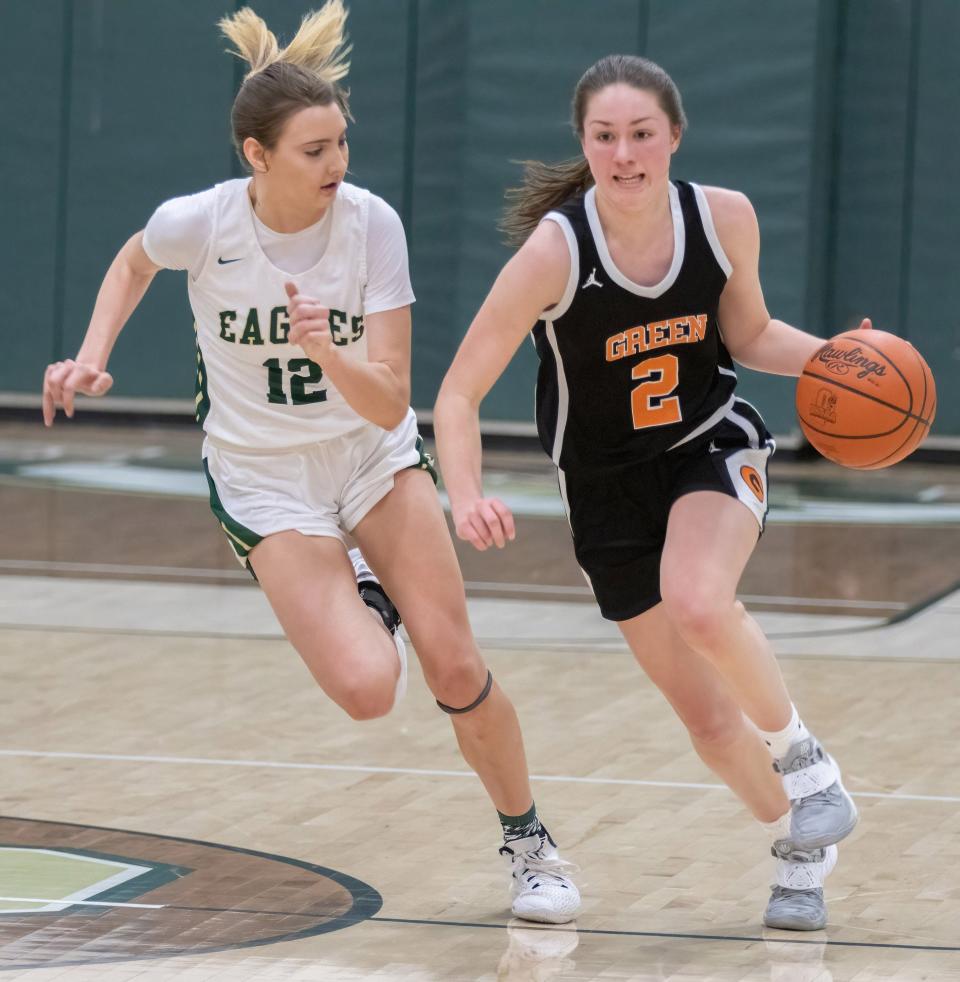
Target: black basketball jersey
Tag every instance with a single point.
(628, 372)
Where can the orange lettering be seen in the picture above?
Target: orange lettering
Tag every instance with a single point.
(677, 333)
(659, 333)
(677, 330)
(615, 347)
(636, 340)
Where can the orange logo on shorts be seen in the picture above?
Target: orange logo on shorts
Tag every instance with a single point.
(753, 480)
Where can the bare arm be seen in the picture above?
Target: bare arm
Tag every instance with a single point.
(378, 389)
(123, 287)
(753, 338)
(533, 280)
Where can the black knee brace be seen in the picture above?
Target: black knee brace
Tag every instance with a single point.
(476, 702)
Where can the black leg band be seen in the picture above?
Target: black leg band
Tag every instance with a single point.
(476, 702)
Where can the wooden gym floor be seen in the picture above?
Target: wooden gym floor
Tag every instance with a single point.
(179, 801)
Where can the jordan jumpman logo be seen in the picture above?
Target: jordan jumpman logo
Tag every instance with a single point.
(591, 280)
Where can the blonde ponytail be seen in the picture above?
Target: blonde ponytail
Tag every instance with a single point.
(254, 42)
(317, 47)
(282, 81)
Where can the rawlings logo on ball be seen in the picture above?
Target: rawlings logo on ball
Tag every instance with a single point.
(841, 361)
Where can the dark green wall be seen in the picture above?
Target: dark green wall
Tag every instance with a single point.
(836, 117)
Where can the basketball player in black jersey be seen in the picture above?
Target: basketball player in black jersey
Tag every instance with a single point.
(644, 292)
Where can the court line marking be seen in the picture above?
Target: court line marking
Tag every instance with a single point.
(682, 936)
(526, 926)
(66, 902)
(540, 645)
(480, 586)
(425, 772)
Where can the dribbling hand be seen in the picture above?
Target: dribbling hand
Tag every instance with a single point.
(64, 379)
(486, 522)
(309, 325)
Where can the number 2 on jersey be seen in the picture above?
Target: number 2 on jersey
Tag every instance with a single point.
(298, 393)
(651, 401)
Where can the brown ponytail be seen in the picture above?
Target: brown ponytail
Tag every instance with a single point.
(545, 186)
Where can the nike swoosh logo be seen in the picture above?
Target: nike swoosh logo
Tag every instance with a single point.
(223, 262)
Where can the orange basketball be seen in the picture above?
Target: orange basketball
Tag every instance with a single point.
(866, 399)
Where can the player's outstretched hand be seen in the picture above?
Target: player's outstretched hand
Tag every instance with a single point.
(309, 325)
(865, 325)
(64, 379)
(484, 523)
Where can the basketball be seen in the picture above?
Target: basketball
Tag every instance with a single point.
(866, 399)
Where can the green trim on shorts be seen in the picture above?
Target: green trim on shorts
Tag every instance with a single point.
(202, 397)
(427, 462)
(239, 536)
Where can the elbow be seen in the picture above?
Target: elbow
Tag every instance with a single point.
(442, 399)
(443, 407)
(394, 419)
(393, 415)
(739, 355)
(450, 395)
(748, 350)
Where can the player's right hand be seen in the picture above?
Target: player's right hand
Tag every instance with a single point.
(64, 379)
(485, 522)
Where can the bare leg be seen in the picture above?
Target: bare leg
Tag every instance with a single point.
(406, 541)
(310, 584)
(710, 537)
(726, 741)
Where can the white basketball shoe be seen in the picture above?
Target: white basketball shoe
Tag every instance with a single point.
(540, 885)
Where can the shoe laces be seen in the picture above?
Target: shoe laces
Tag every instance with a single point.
(530, 865)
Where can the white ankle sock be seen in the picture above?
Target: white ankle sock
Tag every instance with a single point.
(778, 830)
(360, 568)
(780, 741)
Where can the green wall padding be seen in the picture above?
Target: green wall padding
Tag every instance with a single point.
(834, 118)
(31, 113)
(150, 93)
(931, 298)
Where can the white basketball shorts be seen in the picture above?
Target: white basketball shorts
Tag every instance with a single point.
(325, 488)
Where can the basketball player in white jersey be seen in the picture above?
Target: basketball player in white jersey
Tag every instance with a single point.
(641, 290)
(301, 296)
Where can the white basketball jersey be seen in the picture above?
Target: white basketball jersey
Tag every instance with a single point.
(254, 389)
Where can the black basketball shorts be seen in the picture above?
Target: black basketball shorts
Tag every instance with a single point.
(619, 517)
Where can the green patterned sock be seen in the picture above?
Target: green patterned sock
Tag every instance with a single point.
(520, 826)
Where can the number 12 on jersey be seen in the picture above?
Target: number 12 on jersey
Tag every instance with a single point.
(299, 396)
(650, 401)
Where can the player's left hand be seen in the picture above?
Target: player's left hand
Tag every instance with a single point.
(865, 325)
(309, 325)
